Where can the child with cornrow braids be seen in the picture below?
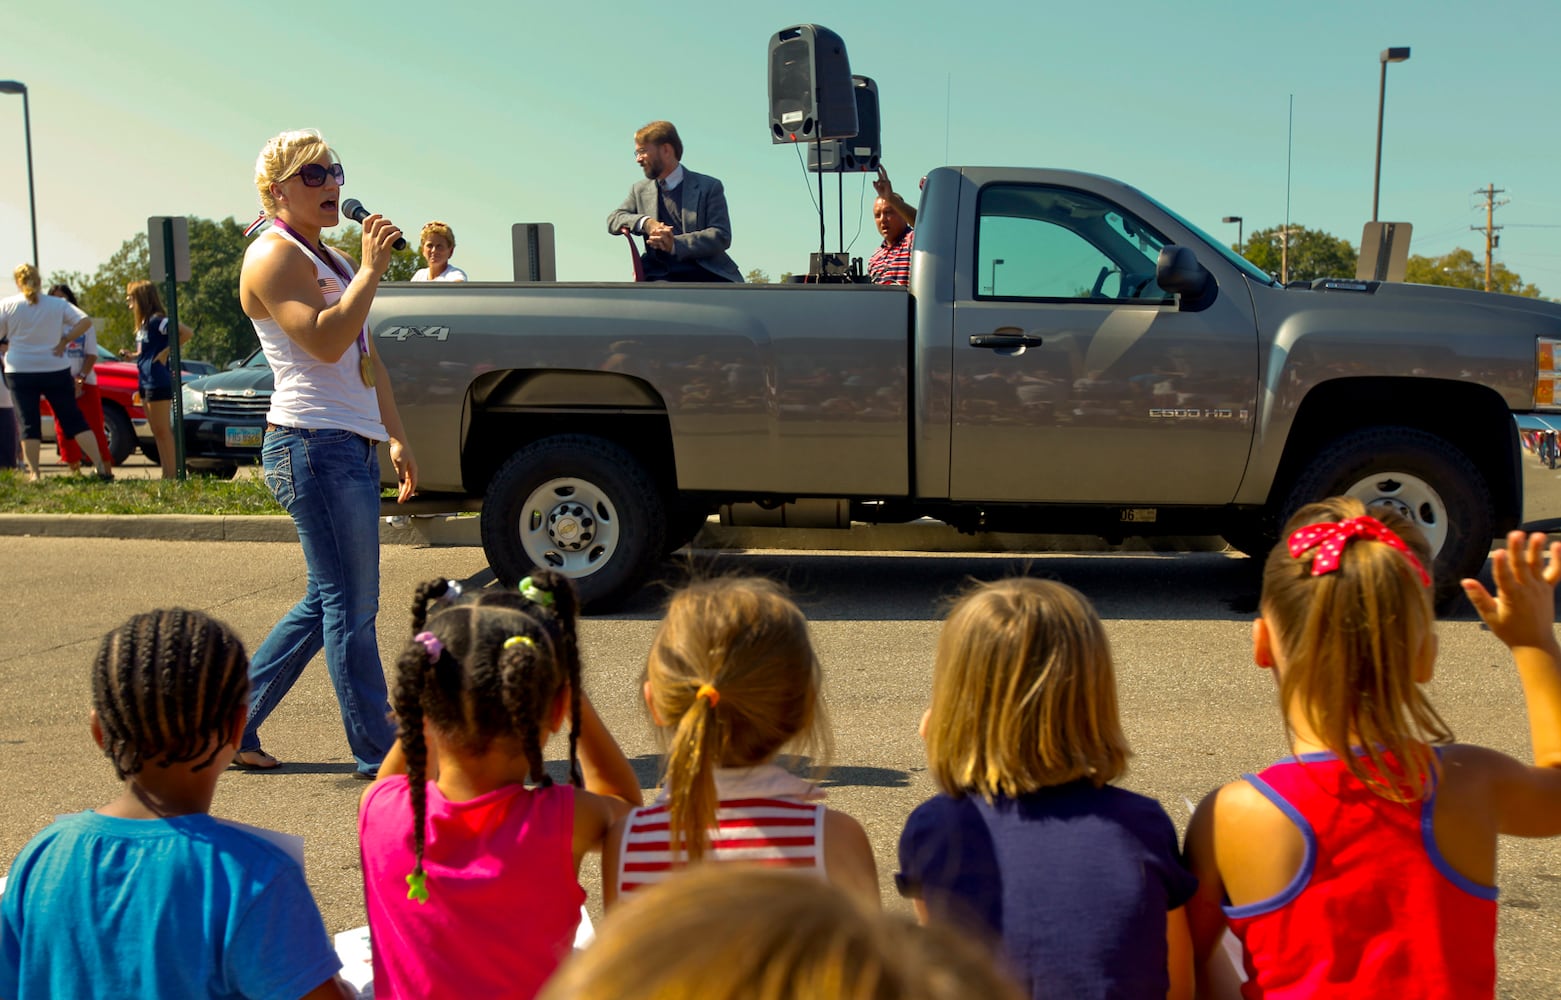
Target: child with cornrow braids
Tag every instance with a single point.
(149, 895)
(469, 873)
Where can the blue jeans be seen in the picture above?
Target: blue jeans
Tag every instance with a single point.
(328, 480)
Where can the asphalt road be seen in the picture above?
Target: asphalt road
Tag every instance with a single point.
(1196, 711)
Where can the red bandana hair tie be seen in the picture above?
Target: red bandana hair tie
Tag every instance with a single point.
(1329, 539)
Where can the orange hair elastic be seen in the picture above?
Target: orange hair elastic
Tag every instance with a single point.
(708, 691)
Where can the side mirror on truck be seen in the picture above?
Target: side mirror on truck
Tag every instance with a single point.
(1179, 273)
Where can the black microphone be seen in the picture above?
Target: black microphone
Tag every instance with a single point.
(357, 213)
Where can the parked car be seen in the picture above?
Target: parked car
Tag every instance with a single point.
(225, 417)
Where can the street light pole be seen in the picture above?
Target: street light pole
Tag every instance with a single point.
(1399, 54)
(16, 87)
(1241, 244)
(995, 261)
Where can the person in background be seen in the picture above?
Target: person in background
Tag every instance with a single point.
(150, 896)
(36, 330)
(157, 381)
(722, 932)
(10, 444)
(438, 244)
(83, 355)
(681, 214)
(890, 264)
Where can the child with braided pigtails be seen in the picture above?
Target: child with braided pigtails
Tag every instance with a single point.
(1364, 864)
(469, 872)
(149, 895)
(731, 681)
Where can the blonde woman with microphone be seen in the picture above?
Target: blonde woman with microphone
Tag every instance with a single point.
(333, 405)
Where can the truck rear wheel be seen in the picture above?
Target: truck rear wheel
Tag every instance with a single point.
(1420, 476)
(580, 505)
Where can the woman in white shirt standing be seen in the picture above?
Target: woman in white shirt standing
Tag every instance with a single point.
(438, 246)
(37, 329)
(332, 406)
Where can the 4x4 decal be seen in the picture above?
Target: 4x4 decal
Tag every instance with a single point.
(401, 333)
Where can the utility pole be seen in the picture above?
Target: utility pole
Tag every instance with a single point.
(1492, 241)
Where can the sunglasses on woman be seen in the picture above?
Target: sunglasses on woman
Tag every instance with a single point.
(314, 175)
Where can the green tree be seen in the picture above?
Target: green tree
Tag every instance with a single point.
(757, 276)
(1461, 269)
(1313, 253)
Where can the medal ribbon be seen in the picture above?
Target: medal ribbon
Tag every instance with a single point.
(329, 260)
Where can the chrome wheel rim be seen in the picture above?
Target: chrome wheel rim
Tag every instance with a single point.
(1410, 496)
(569, 525)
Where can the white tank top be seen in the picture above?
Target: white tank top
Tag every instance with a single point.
(309, 392)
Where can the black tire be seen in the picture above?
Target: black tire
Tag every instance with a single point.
(684, 525)
(121, 434)
(1422, 476)
(149, 449)
(580, 505)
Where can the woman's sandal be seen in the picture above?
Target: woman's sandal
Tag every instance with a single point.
(255, 760)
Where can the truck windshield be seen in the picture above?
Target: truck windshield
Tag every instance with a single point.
(1248, 268)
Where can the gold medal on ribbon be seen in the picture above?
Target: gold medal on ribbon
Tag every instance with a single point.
(366, 369)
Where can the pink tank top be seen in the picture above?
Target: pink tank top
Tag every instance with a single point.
(1375, 910)
(503, 900)
(766, 816)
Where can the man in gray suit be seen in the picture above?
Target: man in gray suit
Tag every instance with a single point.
(681, 214)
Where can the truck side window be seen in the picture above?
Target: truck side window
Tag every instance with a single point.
(1037, 242)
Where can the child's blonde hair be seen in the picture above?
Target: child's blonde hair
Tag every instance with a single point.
(733, 679)
(1351, 639)
(1023, 693)
(720, 933)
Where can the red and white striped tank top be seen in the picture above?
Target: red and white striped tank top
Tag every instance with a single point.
(766, 817)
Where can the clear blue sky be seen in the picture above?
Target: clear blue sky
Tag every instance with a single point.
(484, 113)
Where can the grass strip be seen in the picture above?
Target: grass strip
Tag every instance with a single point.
(86, 495)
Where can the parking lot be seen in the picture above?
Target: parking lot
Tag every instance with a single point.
(1196, 711)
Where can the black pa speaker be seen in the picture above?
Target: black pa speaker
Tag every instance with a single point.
(811, 96)
(861, 153)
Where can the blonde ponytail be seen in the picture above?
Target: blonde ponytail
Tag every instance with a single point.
(691, 793)
(29, 281)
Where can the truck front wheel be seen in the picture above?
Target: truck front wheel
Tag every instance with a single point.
(580, 505)
(1420, 476)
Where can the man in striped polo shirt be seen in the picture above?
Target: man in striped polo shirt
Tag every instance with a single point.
(891, 263)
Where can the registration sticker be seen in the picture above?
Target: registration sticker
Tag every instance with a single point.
(244, 437)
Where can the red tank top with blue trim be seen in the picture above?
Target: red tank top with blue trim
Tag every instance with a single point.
(1375, 909)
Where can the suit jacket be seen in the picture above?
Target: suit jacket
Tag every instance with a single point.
(707, 231)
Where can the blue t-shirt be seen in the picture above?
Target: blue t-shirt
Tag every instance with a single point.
(1074, 881)
(99, 906)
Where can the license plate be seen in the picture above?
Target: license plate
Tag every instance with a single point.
(245, 437)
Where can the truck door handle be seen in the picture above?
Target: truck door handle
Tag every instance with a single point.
(1005, 336)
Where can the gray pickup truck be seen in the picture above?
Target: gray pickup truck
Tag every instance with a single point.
(1070, 356)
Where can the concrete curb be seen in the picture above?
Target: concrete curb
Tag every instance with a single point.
(443, 530)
